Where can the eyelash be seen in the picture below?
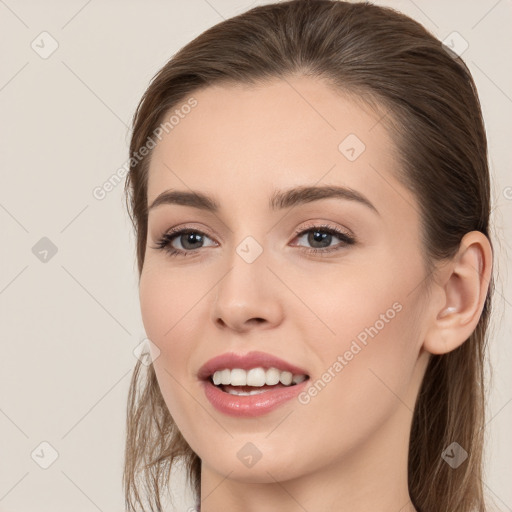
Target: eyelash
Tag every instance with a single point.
(168, 238)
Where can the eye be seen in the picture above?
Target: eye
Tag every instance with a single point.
(320, 238)
(188, 238)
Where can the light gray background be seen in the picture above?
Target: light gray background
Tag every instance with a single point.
(69, 325)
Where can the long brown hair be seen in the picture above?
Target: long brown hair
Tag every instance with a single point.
(429, 102)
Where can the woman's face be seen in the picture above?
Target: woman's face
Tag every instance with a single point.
(352, 315)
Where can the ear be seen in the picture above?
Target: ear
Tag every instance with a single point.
(464, 283)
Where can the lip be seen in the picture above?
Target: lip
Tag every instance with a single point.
(251, 405)
(247, 361)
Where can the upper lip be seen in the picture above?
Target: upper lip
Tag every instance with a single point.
(246, 361)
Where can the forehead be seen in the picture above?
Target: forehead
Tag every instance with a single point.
(240, 143)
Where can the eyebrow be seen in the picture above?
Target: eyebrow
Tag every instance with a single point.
(279, 200)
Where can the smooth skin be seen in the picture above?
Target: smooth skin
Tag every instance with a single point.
(345, 450)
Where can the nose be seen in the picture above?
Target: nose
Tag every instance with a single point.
(248, 297)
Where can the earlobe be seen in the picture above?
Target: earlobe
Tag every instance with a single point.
(464, 284)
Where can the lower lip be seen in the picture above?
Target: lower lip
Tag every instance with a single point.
(250, 405)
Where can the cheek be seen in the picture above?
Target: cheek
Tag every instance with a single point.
(167, 312)
(167, 301)
(175, 308)
(376, 300)
(369, 363)
(154, 299)
(373, 336)
(167, 309)
(364, 380)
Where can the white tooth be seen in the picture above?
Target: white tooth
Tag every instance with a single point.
(225, 377)
(286, 378)
(256, 377)
(272, 376)
(238, 377)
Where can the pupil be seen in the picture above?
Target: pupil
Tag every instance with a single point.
(192, 238)
(321, 236)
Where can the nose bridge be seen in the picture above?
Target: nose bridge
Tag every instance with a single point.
(247, 265)
(247, 290)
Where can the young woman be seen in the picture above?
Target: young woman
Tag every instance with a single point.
(309, 188)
